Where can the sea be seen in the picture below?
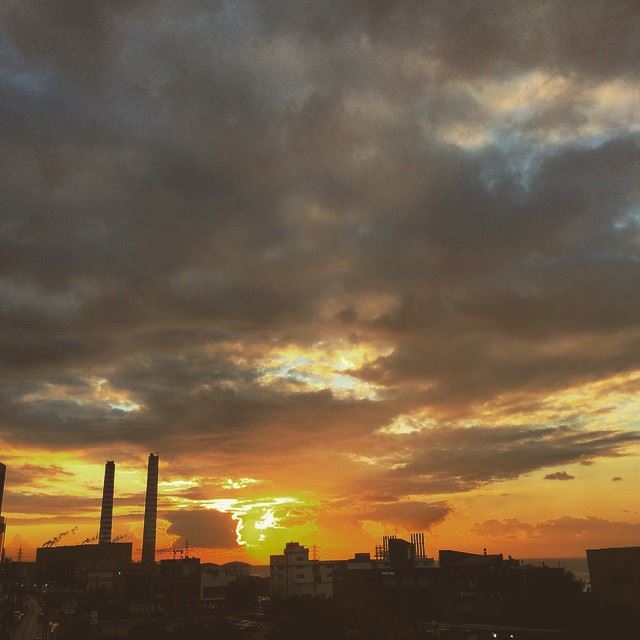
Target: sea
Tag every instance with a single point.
(577, 566)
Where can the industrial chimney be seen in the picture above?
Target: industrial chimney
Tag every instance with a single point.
(106, 515)
(3, 473)
(150, 512)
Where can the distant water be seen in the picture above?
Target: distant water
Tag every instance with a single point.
(577, 566)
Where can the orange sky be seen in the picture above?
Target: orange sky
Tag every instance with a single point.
(341, 500)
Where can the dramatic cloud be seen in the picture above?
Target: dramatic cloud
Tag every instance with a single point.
(319, 244)
(411, 515)
(451, 459)
(33, 474)
(72, 505)
(202, 528)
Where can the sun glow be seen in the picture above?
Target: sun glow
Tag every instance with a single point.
(174, 486)
(261, 513)
(239, 483)
(331, 365)
(268, 520)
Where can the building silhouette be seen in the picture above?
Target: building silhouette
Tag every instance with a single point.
(294, 574)
(78, 565)
(615, 575)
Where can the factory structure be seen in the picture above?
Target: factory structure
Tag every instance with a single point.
(101, 568)
(98, 576)
(294, 574)
(100, 561)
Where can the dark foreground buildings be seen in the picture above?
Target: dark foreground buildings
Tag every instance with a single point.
(463, 586)
(77, 565)
(98, 590)
(615, 575)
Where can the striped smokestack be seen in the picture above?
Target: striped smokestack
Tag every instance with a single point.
(150, 512)
(106, 515)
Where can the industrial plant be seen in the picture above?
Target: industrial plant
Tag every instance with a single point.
(80, 563)
(94, 589)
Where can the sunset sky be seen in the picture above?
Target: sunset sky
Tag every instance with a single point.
(352, 268)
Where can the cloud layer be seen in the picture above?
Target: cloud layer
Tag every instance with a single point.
(248, 231)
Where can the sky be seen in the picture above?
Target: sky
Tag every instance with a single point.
(352, 268)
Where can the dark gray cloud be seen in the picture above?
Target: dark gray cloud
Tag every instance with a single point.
(410, 514)
(559, 475)
(71, 518)
(202, 528)
(176, 182)
(36, 501)
(451, 459)
(33, 474)
(476, 37)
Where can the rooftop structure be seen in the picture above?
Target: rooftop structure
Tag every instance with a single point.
(73, 564)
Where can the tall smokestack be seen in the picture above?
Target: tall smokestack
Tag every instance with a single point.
(3, 473)
(106, 515)
(150, 512)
